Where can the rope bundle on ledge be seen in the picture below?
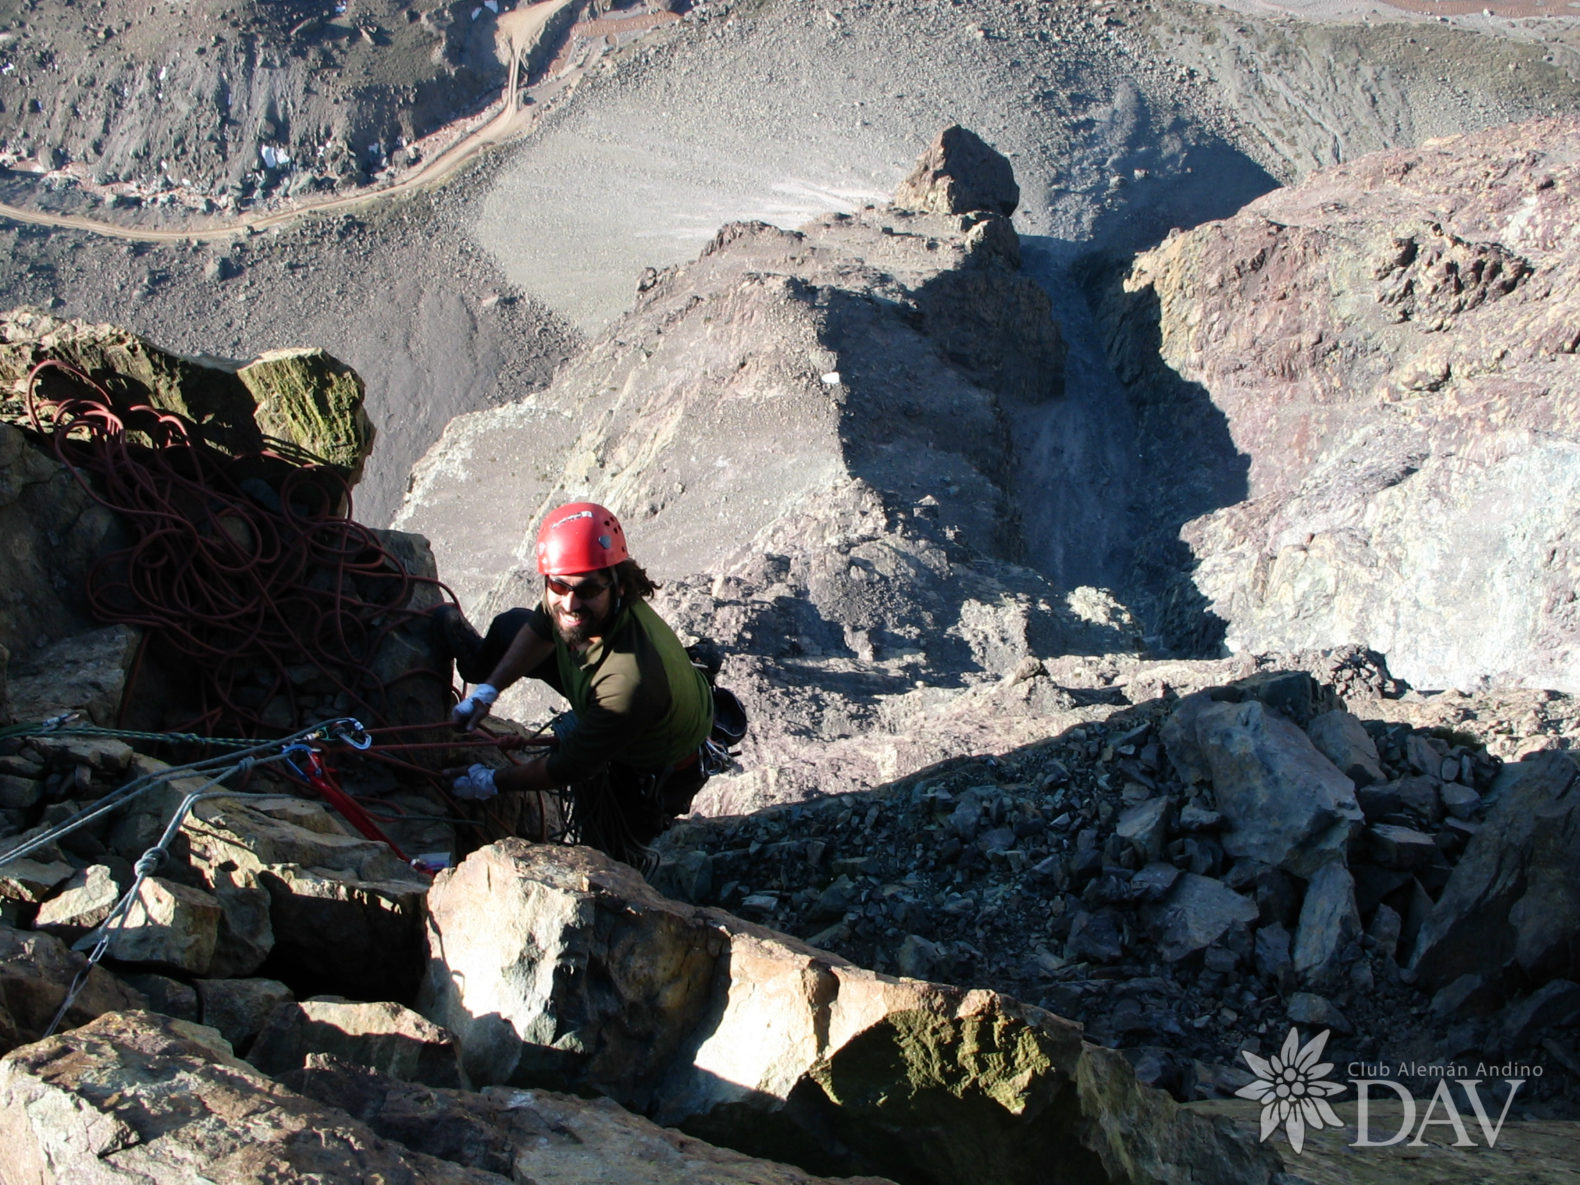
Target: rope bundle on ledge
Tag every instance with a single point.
(254, 587)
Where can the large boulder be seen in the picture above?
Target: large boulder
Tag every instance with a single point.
(302, 398)
(308, 400)
(1284, 802)
(30, 881)
(1197, 912)
(170, 926)
(84, 673)
(1329, 929)
(246, 927)
(81, 904)
(557, 967)
(1342, 739)
(251, 833)
(52, 526)
(381, 1036)
(294, 883)
(249, 476)
(140, 1097)
(1509, 907)
(558, 1138)
(37, 971)
(960, 173)
(346, 911)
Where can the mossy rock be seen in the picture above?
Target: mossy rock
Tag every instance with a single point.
(301, 403)
(130, 370)
(310, 400)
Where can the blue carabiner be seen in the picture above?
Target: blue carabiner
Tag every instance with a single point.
(298, 748)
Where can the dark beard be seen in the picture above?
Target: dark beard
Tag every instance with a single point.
(577, 637)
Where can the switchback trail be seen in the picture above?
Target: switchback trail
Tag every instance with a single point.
(504, 126)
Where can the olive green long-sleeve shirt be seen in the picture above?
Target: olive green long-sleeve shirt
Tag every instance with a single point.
(638, 700)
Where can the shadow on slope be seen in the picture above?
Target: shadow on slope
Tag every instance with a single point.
(1060, 872)
(1103, 479)
(1190, 460)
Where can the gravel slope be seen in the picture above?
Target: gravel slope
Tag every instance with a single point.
(1122, 122)
(402, 296)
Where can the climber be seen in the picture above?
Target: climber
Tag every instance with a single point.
(640, 710)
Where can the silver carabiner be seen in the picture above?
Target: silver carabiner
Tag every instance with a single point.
(356, 735)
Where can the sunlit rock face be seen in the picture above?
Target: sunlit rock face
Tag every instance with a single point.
(1391, 347)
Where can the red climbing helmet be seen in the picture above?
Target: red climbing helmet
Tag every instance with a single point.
(580, 537)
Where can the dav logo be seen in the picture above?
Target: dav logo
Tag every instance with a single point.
(1293, 1088)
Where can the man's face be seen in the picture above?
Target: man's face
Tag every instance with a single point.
(580, 605)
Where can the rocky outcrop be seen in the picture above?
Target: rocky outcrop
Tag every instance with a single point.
(539, 1135)
(564, 968)
(1508, 911)
(51, 524)
(344, 910)
(382, 1036)
(249, 880)
(205, 510)
(958, 174)
(1283, 803)
(1082, 872)
(136, 1096)
(1113, 873)
(302, 399)
(759, 421)
(262, 880)
(153, 1096)
(1390, 347)
(36, 972)
(312, 402)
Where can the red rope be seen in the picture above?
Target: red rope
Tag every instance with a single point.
(318, 776)
(242, 567)
(246, 581)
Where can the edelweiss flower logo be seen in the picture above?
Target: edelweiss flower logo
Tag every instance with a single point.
(1291, 1089)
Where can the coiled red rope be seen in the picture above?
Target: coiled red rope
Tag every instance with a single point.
(259, 592)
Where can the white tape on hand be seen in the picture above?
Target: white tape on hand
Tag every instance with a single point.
(476, 784)
(469, 713)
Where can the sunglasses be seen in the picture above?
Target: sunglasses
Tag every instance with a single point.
(587, 590)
